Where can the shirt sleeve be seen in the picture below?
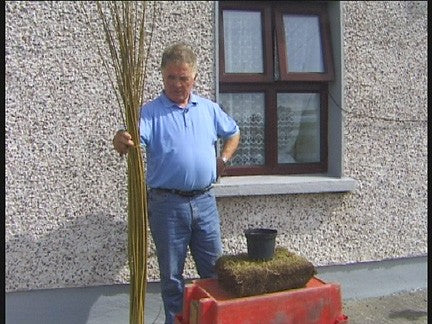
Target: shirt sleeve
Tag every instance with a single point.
(226, 126)
(144, 127)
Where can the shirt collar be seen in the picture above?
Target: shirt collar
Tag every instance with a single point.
(167, 102)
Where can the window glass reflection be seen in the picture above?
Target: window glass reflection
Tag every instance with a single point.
(298, 127)
(303, 43)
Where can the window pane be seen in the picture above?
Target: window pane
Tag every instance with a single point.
(248, 111)
(243, 42)
(303, 43)
(298, 127)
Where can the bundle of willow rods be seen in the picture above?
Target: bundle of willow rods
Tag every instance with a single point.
(125, 37)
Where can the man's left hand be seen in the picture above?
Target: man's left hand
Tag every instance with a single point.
(220, 167)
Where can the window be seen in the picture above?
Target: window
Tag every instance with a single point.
(275, 67)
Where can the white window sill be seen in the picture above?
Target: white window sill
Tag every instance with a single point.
(277, 185)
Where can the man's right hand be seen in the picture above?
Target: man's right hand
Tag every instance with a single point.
(122, 141)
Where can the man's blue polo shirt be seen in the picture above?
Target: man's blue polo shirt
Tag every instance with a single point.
(180, 142)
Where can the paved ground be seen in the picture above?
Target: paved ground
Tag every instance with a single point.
(393, 291)
(400, 308)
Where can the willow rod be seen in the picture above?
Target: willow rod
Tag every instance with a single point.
(123, 26)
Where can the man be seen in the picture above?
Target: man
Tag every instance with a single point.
(179, 130)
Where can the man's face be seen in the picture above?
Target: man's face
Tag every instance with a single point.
(178, 80)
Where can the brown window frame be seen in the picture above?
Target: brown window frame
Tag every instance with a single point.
(272, 12)
(267, 76)
(310, 9)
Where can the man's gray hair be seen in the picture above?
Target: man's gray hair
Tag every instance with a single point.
(179, 53)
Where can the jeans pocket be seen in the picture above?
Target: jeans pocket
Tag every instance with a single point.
(157, 197)
(210, 194)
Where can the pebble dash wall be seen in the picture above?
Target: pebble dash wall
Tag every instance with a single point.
(66, 187)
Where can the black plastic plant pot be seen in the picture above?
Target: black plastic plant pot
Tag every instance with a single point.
(260, 243)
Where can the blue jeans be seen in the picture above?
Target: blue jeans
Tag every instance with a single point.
(176, 223)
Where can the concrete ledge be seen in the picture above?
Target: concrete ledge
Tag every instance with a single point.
(110, 304)
(276, 185)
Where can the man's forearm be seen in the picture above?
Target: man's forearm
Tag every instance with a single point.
(230, 147)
